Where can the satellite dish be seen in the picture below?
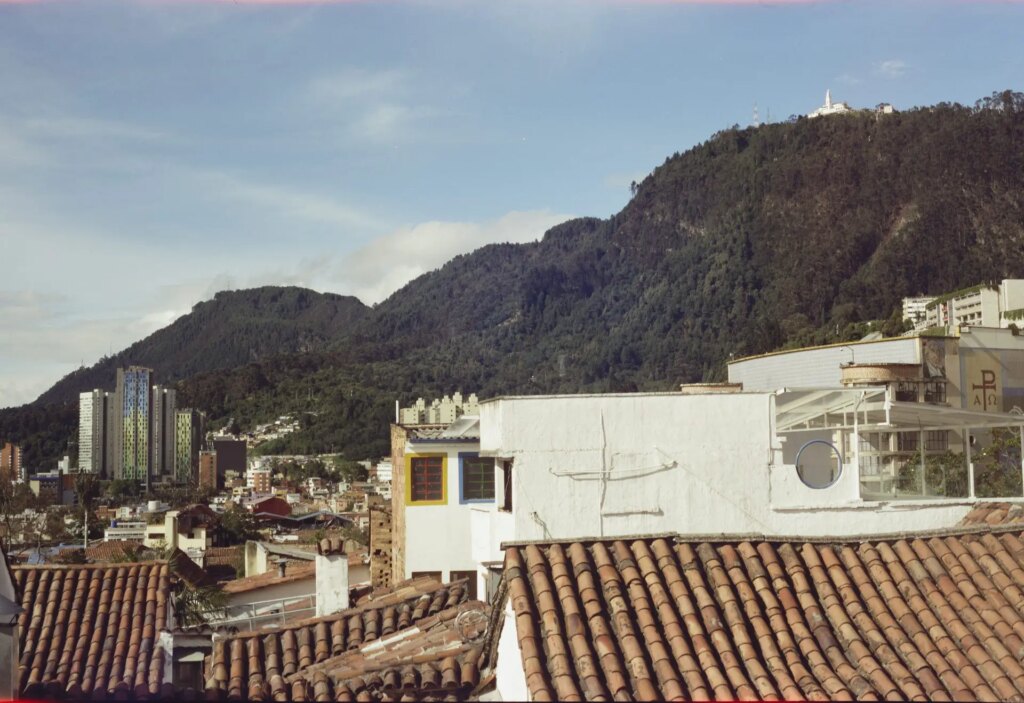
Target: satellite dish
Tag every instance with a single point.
(819, 464)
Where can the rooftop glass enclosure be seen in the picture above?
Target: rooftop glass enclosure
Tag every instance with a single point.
(899, 450)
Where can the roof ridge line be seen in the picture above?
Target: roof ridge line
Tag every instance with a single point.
(956, 530)
(96, 565)
(348, 612)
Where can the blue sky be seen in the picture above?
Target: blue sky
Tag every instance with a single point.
(152, 153)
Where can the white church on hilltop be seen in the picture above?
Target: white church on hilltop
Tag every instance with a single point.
(830, 108)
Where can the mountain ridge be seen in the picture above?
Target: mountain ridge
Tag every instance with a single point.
(230, 329)
(756, 239)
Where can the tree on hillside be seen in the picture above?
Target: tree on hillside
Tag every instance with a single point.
(14, 499)
(239, 524)
(87, 488)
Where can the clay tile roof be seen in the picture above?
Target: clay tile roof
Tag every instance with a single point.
(994, 513)
(295, 571)
(92, 631)
(224, 556)
(439, 657)
(272, 664)
(104, 552)
(935, 617)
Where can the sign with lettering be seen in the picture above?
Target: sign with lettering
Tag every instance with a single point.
(983, 382)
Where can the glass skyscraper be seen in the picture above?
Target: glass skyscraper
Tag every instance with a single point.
(133, 397)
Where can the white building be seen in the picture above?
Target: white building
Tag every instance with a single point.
(190, 530)
(916, 310)
(782, 462)
(92, 412)
(120, 530)
(440, 479)
(384, 471)
(10, 608)
(441, 411)
(258, 480)
(997, 305)
(830, 108)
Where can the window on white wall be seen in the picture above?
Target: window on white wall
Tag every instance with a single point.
(477, 478)
(506, 484)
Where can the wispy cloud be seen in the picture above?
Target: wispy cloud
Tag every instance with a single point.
(65, 127)
(622, 181)
(385, 106)
(288, 202)
(349, 84)
(892, 68)
(387, 263)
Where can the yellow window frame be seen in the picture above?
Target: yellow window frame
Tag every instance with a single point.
(408, 479)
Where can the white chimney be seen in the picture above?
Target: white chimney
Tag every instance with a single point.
(331, 582)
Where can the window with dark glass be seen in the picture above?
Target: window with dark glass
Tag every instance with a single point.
(506, 485)
(427, 476)
(906, 392)
(935, 392)
(936, 440)
(907, 441)
(477, 478)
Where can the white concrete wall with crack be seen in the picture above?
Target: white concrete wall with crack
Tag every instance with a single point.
(615, 465)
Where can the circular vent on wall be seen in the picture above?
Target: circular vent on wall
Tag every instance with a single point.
(819, 464)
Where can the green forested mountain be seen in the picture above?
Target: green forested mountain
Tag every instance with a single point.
(235, 328)
(758, 238)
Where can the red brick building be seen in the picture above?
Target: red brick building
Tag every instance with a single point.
(10, 462)
(208, 470)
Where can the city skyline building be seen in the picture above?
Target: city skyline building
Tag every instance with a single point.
(11, 468)
(188, 436)
(163, 434)
(132, 400)
(208, 476)
(138, 433)
(93, 425)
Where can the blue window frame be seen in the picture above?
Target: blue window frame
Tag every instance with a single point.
(476, 478)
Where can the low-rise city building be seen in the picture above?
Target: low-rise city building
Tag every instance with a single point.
(11, 469)
(439, 478)
(985, 305)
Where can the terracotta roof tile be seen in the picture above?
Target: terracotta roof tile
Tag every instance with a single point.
(92, 630)
(295, 571)
(223, 556)
(936, 618)
(393, 640)
(995, 513)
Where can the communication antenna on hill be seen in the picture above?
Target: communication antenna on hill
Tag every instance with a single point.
(767, 115)
(757, 120)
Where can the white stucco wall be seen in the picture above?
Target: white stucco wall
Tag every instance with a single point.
(509, 674)
(437, 537)
(819, 366)
(689, 464)
(292, 590)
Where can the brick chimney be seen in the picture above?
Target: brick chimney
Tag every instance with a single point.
(331, 576)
